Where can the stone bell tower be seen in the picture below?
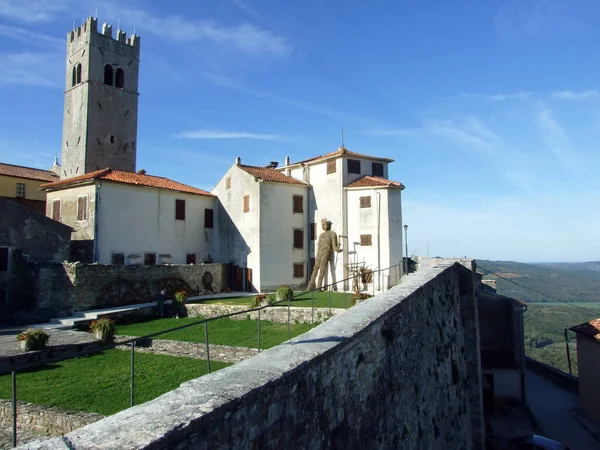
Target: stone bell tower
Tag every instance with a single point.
(101, 100)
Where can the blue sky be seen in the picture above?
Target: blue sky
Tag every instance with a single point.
(491, 109)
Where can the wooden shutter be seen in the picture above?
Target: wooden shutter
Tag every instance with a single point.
(228, 183)
(365, 239)
(365, 202)
(118, 259)
(331, 166)
(179, 209)
(149, 259)
(208, 218)
(298, 238)
(298, 270)
(190, 258)
(313, 231)
(298, 204)
(246, 203)
(56, 210)
(81, 208)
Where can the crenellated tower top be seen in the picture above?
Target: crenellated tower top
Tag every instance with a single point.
(89, 30)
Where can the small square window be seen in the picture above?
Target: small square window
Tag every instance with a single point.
(20, 190)
(117, 259)
(298, 205)
(228, 183)
(298, 270)
(298, 238)
(82, 208)
(150, 259)
(365, 202)
(190, 258)
(377, 169)
(313, 231)
(331, 168)
(354, 166)
(179, 209)
(209, 218)
(365, 239)
(246, 203)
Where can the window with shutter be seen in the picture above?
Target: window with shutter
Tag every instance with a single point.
(82, 208)
(56, 210)
(190, 258)
(246, 203)
(365, 202)
(313, 231)
(298, 238)
(20, 190)
(117, 259)
(179, 209)
(365, 239)
(298, 270)
(208, 218)
(377, 169)
(298, 204)
(150, 259)
(331, 166)
(354, 166)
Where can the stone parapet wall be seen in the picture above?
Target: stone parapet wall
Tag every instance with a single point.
(80, 287)
(398, 371)
(44, 420)
(277, 314)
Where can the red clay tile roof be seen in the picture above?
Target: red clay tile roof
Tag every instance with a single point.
(27, 172)
(343, 151)
(268, 174)
(136, 179)
(371, 181)
(590, 329)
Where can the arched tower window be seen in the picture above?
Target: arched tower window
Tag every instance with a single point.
(76, 77)
(119, 78)
(108, 74)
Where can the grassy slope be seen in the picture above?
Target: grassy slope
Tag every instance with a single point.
(100, 383)
(221, 331)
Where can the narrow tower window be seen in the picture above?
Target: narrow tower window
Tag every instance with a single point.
(76, 77)
(108, 74)
(78, 73)
(119, 79)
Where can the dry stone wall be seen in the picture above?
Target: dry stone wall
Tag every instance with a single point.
(398, 371)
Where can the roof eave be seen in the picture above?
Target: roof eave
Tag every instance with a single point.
(359, 188)
(67, 185)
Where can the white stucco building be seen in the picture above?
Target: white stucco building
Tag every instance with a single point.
(133, 218)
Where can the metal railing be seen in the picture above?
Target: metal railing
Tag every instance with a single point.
(394, 275)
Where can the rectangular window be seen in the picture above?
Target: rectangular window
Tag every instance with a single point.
(208, 218)
(56, 210)
(179, 209)
(377, 169)
(365, 202)
(331, 166)
(190, 258)
(3, 259)
(117, 259)
(365, 239)
(298, 238)
(228, 183)
(82, 208)
(298, 270)
(298, 204)
(150, 259)
(354, 166)
(20, 190)
(246, 203)
(313, 231)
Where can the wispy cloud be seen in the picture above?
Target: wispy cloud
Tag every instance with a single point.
(556, 138)
(573, 95)
(32, 11)
(30, 69)
(521, 95)
(531, 17)
(31, 37)
(214, 134)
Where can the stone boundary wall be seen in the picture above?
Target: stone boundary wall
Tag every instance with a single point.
(399, 371)
(277, 314)
(44, 420)
(80, 287)
(224, 353)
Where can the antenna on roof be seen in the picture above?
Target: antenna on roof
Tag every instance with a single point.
(342, 138)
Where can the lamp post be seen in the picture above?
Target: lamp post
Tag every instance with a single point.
(406, 243)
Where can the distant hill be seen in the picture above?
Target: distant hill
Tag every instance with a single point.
(572, 282)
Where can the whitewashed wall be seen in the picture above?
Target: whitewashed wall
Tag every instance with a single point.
(278, 222)
(82, 229)
(134, 220)
(239, 241)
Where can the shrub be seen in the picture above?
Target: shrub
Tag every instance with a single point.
(103, 326)
(357, 296)
(34, 339)
(179, 303)
(271, 298)
(258, 300)
(285, 293)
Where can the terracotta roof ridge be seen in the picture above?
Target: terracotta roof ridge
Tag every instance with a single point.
(27, 167)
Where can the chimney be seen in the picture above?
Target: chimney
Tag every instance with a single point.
(238, 161)
(287, 160)
(142, 171)
(273, 165)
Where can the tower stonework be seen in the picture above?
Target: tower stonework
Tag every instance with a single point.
(101, 100)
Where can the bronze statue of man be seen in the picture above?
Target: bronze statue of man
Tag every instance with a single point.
(326, 247)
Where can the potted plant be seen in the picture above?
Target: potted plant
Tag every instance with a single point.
(359, 297)
(103, 329)
(179, 309)
(285, 293)
(260, 300)
(33, 339)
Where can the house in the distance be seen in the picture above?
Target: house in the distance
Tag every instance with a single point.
(588, 359)
(21, 184)
(133, 218)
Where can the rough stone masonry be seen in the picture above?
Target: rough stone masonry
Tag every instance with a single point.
(398, 371)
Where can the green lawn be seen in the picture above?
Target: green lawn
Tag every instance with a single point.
(100, 383)
(304, 299)
(242, 333)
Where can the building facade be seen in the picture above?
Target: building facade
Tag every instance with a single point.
(22, 185)
(588, 359)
